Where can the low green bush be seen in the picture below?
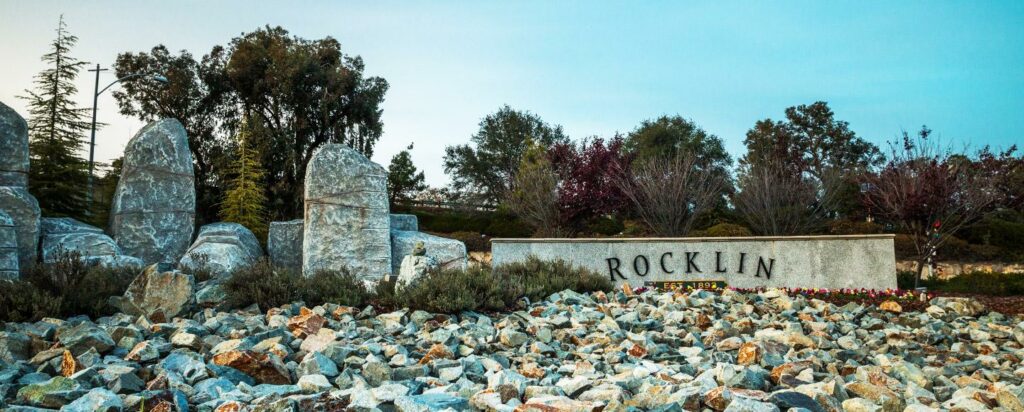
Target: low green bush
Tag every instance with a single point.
(334, 286)
(983, 283)
(66, 287)
(268, 286)
(21, 301)
(536, 279)
(450, 291)
(848, 227)
(503, 288)
(604, 226)
(727, 230)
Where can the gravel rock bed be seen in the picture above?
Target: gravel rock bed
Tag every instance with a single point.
(663, 351)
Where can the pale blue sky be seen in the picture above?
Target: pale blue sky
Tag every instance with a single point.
(595, 67)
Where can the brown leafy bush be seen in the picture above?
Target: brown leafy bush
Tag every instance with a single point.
(21, 301)
(73, 286)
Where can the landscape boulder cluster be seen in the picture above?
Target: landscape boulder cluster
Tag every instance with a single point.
(347, 221)
(663, 351)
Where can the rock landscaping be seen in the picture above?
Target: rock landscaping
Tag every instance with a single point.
(668, 351)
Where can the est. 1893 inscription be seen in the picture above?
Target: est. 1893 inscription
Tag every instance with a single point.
(861, 261)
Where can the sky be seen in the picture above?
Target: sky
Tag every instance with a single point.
(595, 67)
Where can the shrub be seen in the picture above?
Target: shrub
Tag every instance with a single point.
(334, 286)
(847, 227)
(727, 230)
(269, 286)
(21, 301)
(452, 291)
(77, 287)
(605, 226)
(262, 284)
(479, 288)
(984, 283)
(536, 279)
(200, 268)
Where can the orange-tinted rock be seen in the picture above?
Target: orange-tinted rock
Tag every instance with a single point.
(230, 406)
(638, 351)
(791, 368)
(263, 367)
(531, 370)
(307, 323)
(69, 365)
(342, 311)
(438, 351)
(749, 354)
(891, 306)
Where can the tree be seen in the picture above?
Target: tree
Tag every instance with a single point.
(404, 181)
(586, 173)
(930, 194)
(775, 202)
(245, 200)
(305, 93)
(811, 141)
(198, 94)
(57, 175)
(534, 194)
(667, 136)
(488, 170)
(670, 192)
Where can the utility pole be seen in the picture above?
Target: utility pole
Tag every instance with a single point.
(92, 138)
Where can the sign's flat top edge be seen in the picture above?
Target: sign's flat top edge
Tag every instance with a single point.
(689, 239)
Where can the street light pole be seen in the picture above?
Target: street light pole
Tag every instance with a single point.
(92, 137)
(95, 99)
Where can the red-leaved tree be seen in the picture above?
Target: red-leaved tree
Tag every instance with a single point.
(587, 186)
(931, 194)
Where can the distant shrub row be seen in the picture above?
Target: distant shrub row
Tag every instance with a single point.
(984, 283)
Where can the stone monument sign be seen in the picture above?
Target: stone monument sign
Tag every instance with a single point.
(858, 261)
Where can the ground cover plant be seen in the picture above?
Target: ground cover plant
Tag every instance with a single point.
(67, 287)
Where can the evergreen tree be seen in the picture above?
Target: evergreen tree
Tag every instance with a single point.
(245, 202)
(404, 181)
(58, 176)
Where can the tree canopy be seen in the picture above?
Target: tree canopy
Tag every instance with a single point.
(303, 93)
(810, 140)
(487, 170)
(668, 136)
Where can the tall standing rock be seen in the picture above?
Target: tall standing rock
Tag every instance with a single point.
(8, 248)
(284, 244)
(153, 211)
(347, 222)
(14, 141)
(15, 200)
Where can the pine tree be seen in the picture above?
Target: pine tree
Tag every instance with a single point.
(57, 175)
(404, 181)
(245, 201)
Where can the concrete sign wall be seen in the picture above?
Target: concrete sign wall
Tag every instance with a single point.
(858, 261)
